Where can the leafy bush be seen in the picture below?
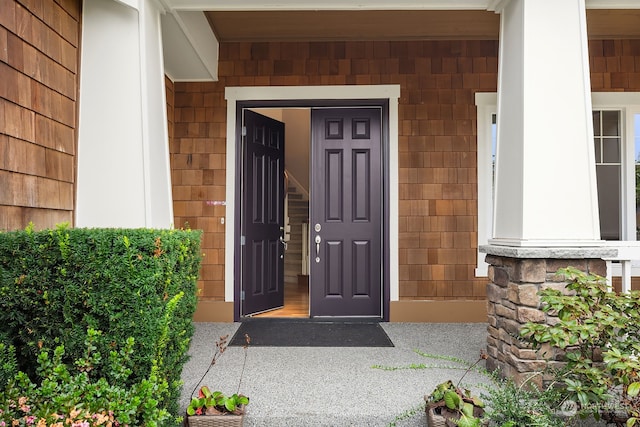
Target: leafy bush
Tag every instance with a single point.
(596, 337)
(8, 364)
(54, 284)
(69, 395)
(513, 405)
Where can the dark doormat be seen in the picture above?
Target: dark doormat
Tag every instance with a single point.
(310, 333)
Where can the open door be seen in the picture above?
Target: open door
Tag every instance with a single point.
(346, 212)
(262, 249)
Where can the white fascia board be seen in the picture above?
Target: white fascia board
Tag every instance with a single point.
(612, 4)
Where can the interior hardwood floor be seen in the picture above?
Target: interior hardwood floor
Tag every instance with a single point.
(296, 302)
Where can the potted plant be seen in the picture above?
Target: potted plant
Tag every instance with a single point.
(216, 409)
(449, 405)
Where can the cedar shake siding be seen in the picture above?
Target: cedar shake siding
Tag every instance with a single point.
(437, 144)
(614, 65)
(437, 141)
(39, 42)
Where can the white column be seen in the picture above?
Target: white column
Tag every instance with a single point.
(123, 154)
(545, 169)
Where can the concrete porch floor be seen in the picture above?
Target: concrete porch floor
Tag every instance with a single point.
(316, 386)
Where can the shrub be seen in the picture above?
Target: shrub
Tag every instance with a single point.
(596, 337)
(512, 405)
(54, 284)
(69, 396)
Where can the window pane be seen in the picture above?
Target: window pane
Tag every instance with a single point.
(608, 178)
(494, 140)
(611, 150)
(596, 143)
(611, 123)
(596, 123)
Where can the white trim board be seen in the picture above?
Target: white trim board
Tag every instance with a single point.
(312, 93)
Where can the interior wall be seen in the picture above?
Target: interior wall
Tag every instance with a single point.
(298, 142)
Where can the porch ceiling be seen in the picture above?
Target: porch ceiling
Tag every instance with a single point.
(323, 25)
(312, 25)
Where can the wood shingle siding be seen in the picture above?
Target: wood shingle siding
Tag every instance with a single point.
(437, 141)
(437, 146)
(39, 43)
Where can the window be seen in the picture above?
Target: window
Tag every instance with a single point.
(636, 126)
(616, 125)
(608, 141)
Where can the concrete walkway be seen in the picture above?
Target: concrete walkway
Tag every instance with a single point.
(305, 386)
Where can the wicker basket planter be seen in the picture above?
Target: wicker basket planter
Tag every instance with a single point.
(435, 419)
(438, 415)
(218, 420)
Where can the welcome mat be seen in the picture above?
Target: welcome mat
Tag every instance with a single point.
(310, 333)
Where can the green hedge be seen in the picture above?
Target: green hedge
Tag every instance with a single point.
(54, 284)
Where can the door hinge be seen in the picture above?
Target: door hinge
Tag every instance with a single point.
(241, 295)
(242, 240)
(244, 131)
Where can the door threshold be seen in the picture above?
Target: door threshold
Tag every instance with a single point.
(322, 319)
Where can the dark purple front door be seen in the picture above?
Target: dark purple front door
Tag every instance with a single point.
(346, 212)
(263, 215)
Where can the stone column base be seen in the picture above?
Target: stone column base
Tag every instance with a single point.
(512, 301)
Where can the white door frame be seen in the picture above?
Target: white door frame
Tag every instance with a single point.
(233, 95)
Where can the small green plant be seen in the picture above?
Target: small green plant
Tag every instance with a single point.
(456, 404)
(512, 405)
(216, 402)
(212, 403)
(69, 395)
(8, 363)
(596, 337)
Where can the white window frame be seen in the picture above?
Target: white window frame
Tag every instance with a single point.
(628, 103)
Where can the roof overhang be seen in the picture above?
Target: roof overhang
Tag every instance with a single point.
(192, 29)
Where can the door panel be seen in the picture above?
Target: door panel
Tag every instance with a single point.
(346, 187)
(263, 214)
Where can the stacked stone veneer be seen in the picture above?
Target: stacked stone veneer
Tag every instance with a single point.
(512, 301)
